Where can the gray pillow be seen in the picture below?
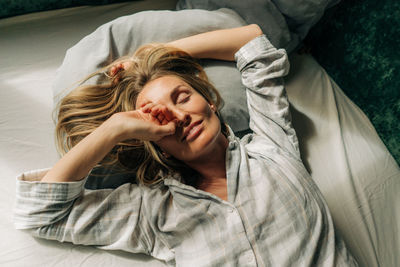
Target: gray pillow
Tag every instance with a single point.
(261, 12)
(301, 15)
(124, 35)
(285, 22)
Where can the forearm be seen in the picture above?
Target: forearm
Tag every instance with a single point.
(220, 44)
(77, 163)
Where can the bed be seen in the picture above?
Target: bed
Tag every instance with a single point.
(358, 177)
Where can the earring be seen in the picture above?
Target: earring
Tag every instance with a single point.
(166, 155)
(212, 107)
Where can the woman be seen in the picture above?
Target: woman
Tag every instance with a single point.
(203, 197)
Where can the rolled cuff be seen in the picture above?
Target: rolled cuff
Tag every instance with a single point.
(29, 187)
(252, 50)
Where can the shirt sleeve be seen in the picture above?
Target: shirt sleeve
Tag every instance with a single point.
(108, 218)
(263, 67)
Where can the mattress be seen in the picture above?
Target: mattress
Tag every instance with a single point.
(340, 148)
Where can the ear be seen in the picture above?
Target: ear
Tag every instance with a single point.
(166, 155)
(213, 108)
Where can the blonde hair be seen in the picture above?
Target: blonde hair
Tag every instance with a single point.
(88, 106)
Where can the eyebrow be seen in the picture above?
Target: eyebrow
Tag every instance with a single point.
(172, 95)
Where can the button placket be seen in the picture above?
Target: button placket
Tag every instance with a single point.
(249, 258)
(232, 145)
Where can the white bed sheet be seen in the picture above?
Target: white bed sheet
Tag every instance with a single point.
(339, 146)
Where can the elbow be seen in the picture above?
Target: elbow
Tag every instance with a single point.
(32, 220)
(35, 229)
(256, 30)
(25, 222)
(27, 228)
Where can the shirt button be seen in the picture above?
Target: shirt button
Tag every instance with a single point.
(232, 145)
(230, 210)
(250, 258)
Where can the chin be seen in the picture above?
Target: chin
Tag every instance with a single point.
(205, 143)
(210, 139)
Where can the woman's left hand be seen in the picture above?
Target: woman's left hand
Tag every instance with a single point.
(119, 67)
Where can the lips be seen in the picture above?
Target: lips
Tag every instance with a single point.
(191, 129)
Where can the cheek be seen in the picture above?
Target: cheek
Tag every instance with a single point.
(201, 106)
(216, 122)
(167, 144)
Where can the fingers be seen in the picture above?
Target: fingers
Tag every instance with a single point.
(167, 129)
(120, 67)
(116, 68)
(164, 115)
(136, 124)
(158, 111)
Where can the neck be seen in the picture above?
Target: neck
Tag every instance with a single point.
(211, 166)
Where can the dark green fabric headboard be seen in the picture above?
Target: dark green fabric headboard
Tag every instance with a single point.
(358, 43)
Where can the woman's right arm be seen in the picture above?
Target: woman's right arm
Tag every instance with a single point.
(77, 163)
(109, 218)
(54, 205)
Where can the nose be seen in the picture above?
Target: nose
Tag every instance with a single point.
(182, 117)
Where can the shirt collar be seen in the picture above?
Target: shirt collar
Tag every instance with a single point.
(177, 180)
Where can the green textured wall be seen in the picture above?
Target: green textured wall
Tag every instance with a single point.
(359, 46)
(17, 7)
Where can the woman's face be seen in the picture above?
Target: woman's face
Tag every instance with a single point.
(201, 130)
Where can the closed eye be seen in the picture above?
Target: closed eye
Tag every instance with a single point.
(183, 97)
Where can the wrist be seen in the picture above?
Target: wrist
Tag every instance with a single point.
(112, 130)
